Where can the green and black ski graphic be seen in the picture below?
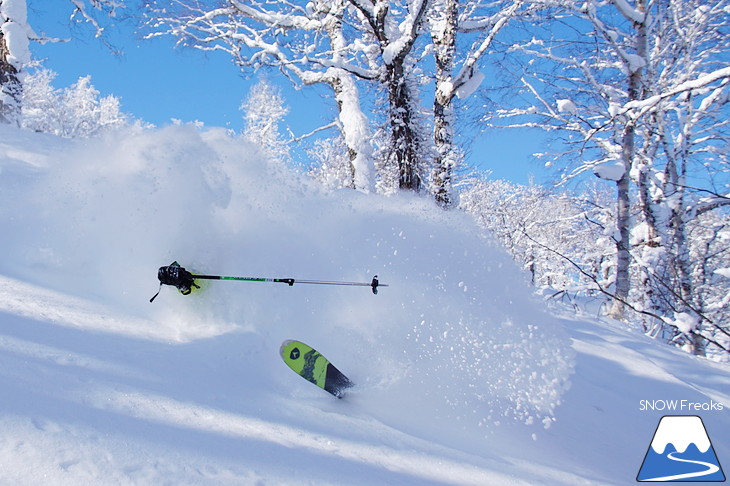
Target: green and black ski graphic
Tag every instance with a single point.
(313, 367)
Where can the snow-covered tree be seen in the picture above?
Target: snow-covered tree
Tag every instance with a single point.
(263, 112)
(562, 240)
(41, 104)
(577, 88)
(456, 71)
(683, 119)
(708, 238)
(14, 57)
(642, 104)
(332, 166)
(308, 43)
(16, 35)
(74, 112)
(394, 28)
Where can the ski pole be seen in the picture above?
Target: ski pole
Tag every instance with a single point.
(184, 281)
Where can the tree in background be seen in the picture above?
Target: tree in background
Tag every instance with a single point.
(263, 111)
(308, 43)
(74, 112)
(562, 240)
(384, 45)
(639, 91)
(457, 74)
(331, 163)
(393, 29)
(14, 57)
(683, 119)
(15, 38)
(576, 87)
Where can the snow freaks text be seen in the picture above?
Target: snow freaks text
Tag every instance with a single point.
(680, 406)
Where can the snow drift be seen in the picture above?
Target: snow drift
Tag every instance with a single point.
(454, 338)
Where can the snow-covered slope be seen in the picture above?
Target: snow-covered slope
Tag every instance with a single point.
(463, 377)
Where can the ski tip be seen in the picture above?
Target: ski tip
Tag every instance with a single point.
(285, 345)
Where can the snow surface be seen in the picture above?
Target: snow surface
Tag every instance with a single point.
(463, 376)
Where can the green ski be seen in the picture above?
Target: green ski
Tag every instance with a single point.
(313, 367)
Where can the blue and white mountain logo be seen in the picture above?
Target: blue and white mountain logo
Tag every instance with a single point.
(681, 451)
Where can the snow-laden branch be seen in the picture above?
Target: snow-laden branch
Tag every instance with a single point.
(633, 14)
(354, 69)
(400, 40)
(642, 107)
(84, 9)
(567, 118)
(714, 201)
(297, 139)
(638, 309)
(466, 75)
(277, 19)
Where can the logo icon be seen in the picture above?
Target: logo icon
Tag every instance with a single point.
(294, 353)
(680, 451)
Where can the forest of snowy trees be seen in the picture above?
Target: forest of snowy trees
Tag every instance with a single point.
(632, 93)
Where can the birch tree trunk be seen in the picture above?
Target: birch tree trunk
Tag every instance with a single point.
(443, 34)
(405, 149)
(354, 125)
(628, 152)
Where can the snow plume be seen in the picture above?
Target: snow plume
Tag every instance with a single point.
(454, 337)
(511, 371)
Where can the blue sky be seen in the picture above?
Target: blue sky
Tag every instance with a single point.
(158, 83)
